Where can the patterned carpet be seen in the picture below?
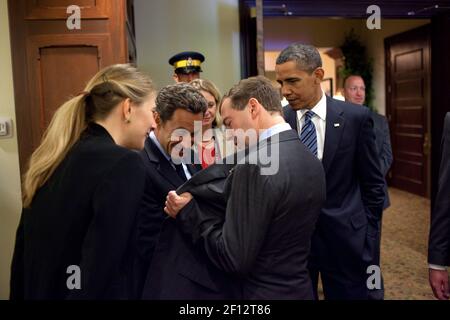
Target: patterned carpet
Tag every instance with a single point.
(404, 243)
(404, 246)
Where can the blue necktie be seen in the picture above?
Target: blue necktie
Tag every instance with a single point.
(308, 134)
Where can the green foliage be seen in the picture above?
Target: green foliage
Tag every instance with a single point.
(357, 62)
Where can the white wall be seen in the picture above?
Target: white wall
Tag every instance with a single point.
(10, 194)
(164, 28)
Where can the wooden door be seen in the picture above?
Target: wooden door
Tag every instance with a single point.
(52, 63)
(408, 109)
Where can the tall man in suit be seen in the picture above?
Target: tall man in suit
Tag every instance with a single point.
(177, 108)
(355, 92)
(341, 135)
(264, 235)
(439, 242)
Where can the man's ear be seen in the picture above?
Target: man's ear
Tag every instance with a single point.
(157, 118)
(254, 107)
(175, 78)
(126, 109)
(319, 73)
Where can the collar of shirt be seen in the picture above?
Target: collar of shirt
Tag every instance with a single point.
(320, 109)
(278, 128)
(155, 140)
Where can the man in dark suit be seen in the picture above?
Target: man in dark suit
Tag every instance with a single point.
(439, 242)
(264, 235)
(180, 269)
(355, 92)
(341, 135)
(177, 108)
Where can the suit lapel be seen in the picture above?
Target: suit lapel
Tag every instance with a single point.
(333, 132)
(290, 117)
(162, 165)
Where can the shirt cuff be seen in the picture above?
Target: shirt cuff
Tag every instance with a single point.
(437, 267)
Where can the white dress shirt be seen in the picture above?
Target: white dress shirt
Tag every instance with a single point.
(437, 267)
(278, 128)
(319, 120)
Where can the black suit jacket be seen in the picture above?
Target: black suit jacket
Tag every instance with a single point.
(180, 269)
(439, 242)
(161, 178)
(84, 216)
(348, 229)
(264, 235)
(383, 143)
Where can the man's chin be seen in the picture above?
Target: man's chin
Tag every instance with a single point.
(296, 106)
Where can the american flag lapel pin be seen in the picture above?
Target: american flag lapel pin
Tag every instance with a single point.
(336, 125)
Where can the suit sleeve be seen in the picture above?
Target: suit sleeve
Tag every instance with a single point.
(439, 241)
(369, 171)
(233, 242)
(115, 203)
(17, 289)
(386, 150)
(150, 218)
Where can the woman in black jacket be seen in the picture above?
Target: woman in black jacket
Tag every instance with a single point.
(81, 192)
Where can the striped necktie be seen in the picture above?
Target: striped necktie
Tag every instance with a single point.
(308, 134)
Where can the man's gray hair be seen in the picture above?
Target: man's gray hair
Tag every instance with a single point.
(306, 56)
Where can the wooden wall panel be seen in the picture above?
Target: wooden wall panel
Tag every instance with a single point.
(57, 9)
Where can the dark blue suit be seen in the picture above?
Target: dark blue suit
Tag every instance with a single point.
(161, 178)
(439, 241)
(383, 142)
(346, 242)
(181, 270)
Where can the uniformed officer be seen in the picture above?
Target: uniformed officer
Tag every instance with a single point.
(187, 66)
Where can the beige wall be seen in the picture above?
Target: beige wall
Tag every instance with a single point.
(10, 197)
(280, 32)
(211, 27)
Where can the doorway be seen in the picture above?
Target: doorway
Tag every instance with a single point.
(408, 109)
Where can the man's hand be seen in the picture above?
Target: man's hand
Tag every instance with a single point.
(174, 202)
(439, 283)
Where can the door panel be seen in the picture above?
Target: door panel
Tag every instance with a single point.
(57, 70)
(408, 108)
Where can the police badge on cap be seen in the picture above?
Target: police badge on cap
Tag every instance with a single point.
(187, 62)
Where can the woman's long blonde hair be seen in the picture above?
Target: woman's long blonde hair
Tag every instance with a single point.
(103, 92)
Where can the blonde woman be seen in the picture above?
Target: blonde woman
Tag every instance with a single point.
(82, 190)
(213, 145)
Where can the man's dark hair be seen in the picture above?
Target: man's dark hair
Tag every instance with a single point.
(306, 56)
(179, 96)
(259, 88)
